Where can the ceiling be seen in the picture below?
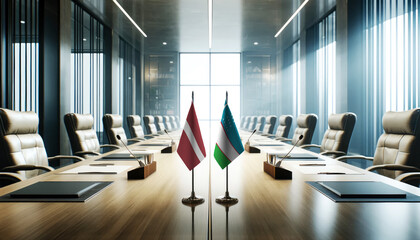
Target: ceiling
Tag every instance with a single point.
(183, 24)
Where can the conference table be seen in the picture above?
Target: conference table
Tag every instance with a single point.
(152, 209)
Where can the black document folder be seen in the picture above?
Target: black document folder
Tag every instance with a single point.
(74, 191)
(358, 189)
(54, 190)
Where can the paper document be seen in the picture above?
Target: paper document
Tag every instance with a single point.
(326, 170)
(105, 169)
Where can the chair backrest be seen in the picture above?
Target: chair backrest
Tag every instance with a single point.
(173, 122)
(285, 123)
(306, 124)
(149, 124)
(242, 122)
(20, 142)
(134, 126)
(253, 123)
(270, 123)
(260, 123)
(159, 123)
(113, 126)
(177, 122)
(247, 122)
(167, 123)
(337, 137)
(81, 134)
(400, 143)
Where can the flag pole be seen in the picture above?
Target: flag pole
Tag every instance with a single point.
(193, 199)
(227, 199)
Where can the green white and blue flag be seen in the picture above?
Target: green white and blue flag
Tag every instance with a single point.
(228, 145)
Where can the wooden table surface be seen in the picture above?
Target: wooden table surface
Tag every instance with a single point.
(152, 208)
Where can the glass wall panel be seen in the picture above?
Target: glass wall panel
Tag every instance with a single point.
(23, 55)
(392, 60)
(87, 66)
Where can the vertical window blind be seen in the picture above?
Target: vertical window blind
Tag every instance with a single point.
(23, 55)
(325, 70)
(392, 60)
(87, 66)
(129, 69)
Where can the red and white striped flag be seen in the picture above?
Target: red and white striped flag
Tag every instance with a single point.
(191, 147)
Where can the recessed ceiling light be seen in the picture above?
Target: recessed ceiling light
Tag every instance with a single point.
(249, 62)
(255, 43)
(165, 43)
(291, 18)
(129, 18)
(171, 62)
(84, 39)
(22, 22)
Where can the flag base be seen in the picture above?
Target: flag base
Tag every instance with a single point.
(277, 172)
(251, 149)
(169, 149)
(227, 200)
(193, 200)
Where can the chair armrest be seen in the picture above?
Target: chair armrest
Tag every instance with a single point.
(17, 168)
(336, 153)
(310, 145)
(343, 158)
(59, 157)
(394, 167)
(407, 177)
(284, 139)
(83, 153)
(10, 177)
(110, 146)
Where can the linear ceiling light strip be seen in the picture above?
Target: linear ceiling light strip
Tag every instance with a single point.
(291, 18)
(210, 22)
(129, 18)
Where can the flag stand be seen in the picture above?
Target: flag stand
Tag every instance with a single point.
(227, 200)
(193, 199)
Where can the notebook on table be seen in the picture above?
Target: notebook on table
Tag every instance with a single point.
(358, 189)
(56, 191)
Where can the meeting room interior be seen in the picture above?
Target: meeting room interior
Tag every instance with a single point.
(210, 119)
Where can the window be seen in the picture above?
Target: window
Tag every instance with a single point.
(87, 66)
(210, 76)
(291, 83)
(23, 55)
(129, 70)
(392, 60)
(325, 70)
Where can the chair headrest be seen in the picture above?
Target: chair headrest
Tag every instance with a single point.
(82, 121)
(114, 120)
(305, 120)
(271, 120)
(15, 122)
(339, 121)
(260, 119)
(158, 119)
(148, 119)
(285, 120)
(135, 119)
(405, 122)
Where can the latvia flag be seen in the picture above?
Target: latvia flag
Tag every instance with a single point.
(191, 147)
